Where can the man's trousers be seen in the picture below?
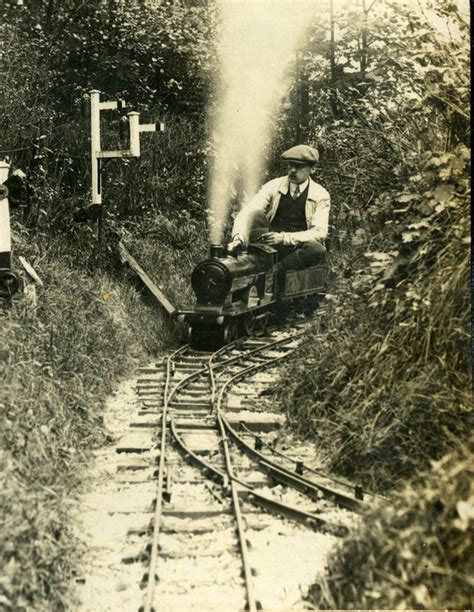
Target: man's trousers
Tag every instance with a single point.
(304, 255)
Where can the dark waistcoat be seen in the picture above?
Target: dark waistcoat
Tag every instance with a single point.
(290, 215)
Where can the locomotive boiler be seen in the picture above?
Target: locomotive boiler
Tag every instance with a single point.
(237, 293)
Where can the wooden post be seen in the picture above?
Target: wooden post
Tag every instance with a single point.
(95, 146)
(94, 210)
(9, 282)
(134, 121)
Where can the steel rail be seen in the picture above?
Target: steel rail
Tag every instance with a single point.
(277, 471)
(206, 369)
(300, 465)
(252, 604)
(208, 469)
(309, 487)
(258, 349)
(151, 578)
(281, 508)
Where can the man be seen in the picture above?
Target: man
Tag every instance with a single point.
(289, 213)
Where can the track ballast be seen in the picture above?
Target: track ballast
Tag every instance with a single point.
(201, 443)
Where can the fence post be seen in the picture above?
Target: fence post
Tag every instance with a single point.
(5, 241)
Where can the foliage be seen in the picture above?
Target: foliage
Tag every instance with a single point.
(415, 553)
(383, 389)
(58, 361)
(384, 384)
(140, 52)
(391, 376)
(156, 245)
(169, 179)
(158, 58)
(89, 325)
(399, 87)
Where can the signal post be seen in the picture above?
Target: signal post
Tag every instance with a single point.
(98, 155)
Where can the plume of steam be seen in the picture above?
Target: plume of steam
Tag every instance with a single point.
(258, 39)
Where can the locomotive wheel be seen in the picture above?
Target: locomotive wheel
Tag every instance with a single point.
(247, 323)
(300, 305)
(261, 324)
(311, 304)
(230, 332)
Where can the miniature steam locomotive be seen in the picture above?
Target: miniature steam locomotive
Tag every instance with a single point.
(236, 294)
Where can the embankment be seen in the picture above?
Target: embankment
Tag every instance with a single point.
(59, 358)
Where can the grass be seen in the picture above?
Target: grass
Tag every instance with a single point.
(386, 388)
(376, 419)
(383, 386)
(57, 364)
(415, 554)
(169, 248)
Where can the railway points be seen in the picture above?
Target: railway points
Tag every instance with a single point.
(201, 485)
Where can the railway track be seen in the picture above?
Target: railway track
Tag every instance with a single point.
(219, 482)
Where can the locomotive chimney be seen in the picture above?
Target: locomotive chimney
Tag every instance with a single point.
(217, 250)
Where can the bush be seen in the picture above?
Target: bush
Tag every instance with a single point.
(415, 553)
(169, 247)
(388, 381)
(386, 385)
(157, 58)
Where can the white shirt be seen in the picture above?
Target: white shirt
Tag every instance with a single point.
(267, 200)
(301, 187)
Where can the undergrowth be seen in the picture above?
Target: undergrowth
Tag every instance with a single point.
(60, 355)
(387, 386)
(415, 553)
(169, 248)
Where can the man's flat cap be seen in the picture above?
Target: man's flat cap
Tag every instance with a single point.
(302, 154)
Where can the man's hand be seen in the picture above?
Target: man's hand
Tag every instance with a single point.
(234, 245)
(271, 238)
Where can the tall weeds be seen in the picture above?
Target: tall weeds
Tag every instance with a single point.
(415, 553)
(58, 362)
(387, 387)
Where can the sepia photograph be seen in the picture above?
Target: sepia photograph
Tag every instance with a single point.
(235, 306)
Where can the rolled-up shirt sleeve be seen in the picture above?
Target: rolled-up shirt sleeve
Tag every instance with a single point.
(261, 201)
